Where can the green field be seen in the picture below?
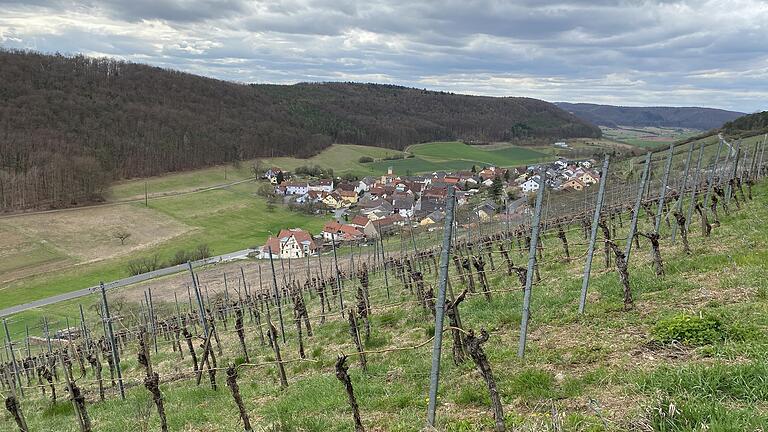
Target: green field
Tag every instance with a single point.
(454, 156)
(179, 182)
(689, 356)
(425, 158)
(342, 158)
(647, 137)
(227, 219)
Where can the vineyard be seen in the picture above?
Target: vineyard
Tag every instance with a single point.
(638, 305)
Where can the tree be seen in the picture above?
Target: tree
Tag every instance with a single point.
(497, 187)
(280, 177)
(474, 169)
(122, 235)
(266, 190)
(256, 168)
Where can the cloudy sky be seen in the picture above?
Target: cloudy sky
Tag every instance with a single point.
(664, 52)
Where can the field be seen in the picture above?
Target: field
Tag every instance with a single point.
(647, 137)
(77, 243)
(448, 156)
(606, 370)
(342, 158)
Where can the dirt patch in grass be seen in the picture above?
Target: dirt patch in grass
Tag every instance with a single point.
(86, 234)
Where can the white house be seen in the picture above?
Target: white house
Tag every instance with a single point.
(322, 185)
(290, 243)
(296, 188)
(530, 185)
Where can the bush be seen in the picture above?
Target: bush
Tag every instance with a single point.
(690, 330)
(201, 251)
(365, 159)
(143, 265)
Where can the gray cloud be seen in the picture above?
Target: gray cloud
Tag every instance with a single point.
(632, 52)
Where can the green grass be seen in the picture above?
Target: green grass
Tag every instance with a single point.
(179, 182)
(507, 156)
(226, 219)
(342, 158)
(647, 137)
(455, 156)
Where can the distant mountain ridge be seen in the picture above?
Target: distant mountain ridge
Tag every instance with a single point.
(676, 117)
(72, 124)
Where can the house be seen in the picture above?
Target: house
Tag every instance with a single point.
(485, 211)
(333, 200)
(388, 224)
(365, 184)
(530, 185)
(491, 173)
(574, 184)
(322, 185)
(404, 205)
(365, 225)
(296, 188)
(429, 204)
(330, 230)
(587, 178)
(335, 231)
(433, 218)
(290, 243)
(487, 182)
(274, 175)
(348, 197)
(386, 179)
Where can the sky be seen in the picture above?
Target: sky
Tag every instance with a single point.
(620, 52)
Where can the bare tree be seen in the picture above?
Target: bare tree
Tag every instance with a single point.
(122, 235)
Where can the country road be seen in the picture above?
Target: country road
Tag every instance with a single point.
(241, 254)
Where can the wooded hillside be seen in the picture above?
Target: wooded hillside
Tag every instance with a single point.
(747, 125)
(70, 125)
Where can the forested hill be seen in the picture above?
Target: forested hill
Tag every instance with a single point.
(678, 117)
(70, 125)
(747, 125)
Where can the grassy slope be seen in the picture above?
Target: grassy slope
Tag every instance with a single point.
(179, 182)
(453, 155)
(343, 158)
(647, 137)
(226, 219)
(600, 370)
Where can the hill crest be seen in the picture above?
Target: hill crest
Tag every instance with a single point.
(680, 117)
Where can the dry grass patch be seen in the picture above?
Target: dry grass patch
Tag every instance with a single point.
(86, 234)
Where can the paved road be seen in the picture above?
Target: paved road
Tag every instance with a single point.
(241, 254)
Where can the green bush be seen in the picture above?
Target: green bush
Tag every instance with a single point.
(365, 159)
(690, 330)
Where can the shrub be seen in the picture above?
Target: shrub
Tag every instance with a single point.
(365, 159)
(690, 330)
(143, 265)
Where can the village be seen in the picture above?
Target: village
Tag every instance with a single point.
(372, 207)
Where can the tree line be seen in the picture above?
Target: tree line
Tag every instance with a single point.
(70, 125)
